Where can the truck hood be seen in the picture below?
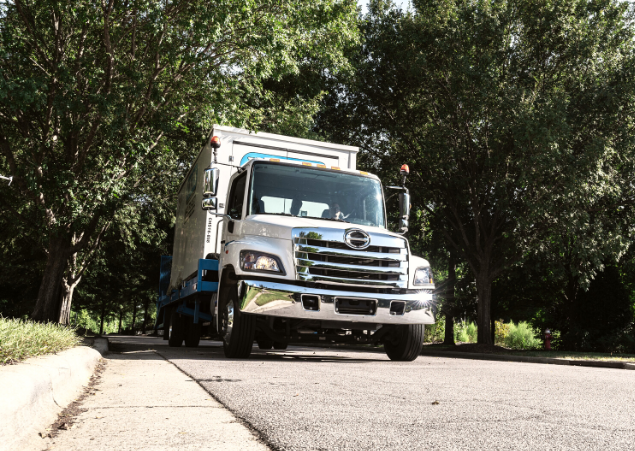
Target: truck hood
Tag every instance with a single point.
(274, 226)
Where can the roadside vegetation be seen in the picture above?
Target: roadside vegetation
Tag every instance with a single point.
(20, 339)
(514, 336)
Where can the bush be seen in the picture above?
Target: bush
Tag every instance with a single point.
(435, 332)
(465, 332)
(501, 331)
(472, 332)
(522, 336)
(20, 339)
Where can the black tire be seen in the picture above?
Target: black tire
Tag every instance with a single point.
(166, 323)
(406, 343)
(265, 343)
(192, 333)
(238, 343)
(279, 345)
(177, 330)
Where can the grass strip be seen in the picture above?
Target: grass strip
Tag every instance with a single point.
(20, 339)
(564, 355)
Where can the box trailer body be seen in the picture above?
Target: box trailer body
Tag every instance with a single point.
(282, 240)
(197, 232)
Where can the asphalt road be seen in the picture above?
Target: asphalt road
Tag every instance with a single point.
(325, 399)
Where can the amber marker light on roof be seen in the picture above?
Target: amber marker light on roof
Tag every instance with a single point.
(321, 165)
(335, 167)
(215, 142)
(363, 173)
(274, 159)
(306, 164)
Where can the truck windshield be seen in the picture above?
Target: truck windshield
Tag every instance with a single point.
(277, 189)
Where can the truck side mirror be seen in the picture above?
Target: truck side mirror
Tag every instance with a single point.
(210, 182)
(209, 203)
(404, 211)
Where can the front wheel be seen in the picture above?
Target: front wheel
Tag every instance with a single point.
(237, 328)
(405, 343)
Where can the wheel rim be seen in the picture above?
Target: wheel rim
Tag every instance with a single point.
(228, 320)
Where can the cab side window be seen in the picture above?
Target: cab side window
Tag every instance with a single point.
(237, 197)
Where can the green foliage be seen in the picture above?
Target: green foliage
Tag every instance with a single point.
(465, 332)
(98, 99)
(522, 336)
(519, 134)
(20, 339)
(435, 333)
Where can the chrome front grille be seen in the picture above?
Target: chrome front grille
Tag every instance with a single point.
(322, 256)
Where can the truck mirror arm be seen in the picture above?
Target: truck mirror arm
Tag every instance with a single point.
(239, 168)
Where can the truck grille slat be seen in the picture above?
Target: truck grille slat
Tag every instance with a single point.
(334, 262)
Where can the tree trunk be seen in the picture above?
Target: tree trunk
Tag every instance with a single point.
(483, 311)
(47, 306)
(146, 303)
(103, 314)
(66, 298)
(493, 330)
(134, 315)
(450, 301)
(120, 319)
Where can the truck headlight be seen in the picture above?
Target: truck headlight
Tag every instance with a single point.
(423, 276)
(259, 261)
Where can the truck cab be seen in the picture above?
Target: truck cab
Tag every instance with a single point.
(298, 251)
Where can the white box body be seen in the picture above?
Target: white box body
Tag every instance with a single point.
(196, 231)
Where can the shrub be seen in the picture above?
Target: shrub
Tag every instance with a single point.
(465, 332)
(435, 332)
(20, 339)
(472, 332)
(522, 336)
(501, 331)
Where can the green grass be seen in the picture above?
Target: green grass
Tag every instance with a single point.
(21, 339)
(577, 355)
(565, 355)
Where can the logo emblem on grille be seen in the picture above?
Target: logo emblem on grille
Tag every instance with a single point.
(357, 239)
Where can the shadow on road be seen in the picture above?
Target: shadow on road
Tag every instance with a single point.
(213, 350)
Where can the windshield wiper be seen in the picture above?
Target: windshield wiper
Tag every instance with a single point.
(326, 219)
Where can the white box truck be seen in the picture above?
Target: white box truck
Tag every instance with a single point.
(281, 240)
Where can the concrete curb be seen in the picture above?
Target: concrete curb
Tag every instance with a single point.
(517, 358)
(35, 391)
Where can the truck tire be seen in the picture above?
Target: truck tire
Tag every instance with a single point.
(238, 329)
(166, 323)
(406, 343)
(177, 330)
(265, 343)
(279, 345)
(192, 333)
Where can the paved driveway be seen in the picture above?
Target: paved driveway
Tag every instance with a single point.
(312, 398)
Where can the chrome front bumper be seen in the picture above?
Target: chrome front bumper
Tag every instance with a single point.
(284, 300)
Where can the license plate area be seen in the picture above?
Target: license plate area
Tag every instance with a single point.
(355, 306)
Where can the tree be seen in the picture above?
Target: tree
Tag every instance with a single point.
(511, 114)
(90, 90)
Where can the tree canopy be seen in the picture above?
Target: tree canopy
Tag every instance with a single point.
(91, 91)
(516, 120)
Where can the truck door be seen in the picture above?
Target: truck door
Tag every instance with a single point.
(235, 207)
